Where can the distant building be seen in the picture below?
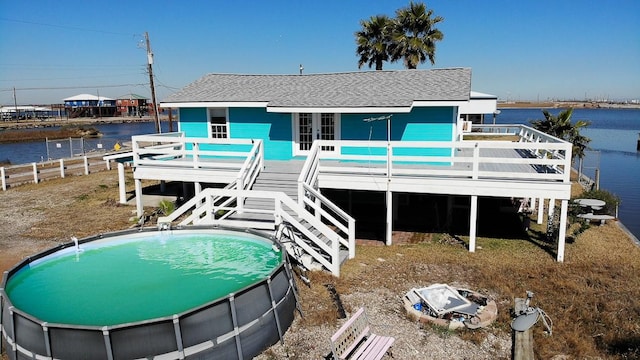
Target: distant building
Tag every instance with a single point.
(88, 105)
(479, 105)
(133, 105)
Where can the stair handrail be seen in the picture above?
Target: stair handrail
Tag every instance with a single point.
(307, 188)
(349, 228)
(247, 175)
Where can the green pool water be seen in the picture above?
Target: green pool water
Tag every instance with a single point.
(140, 276)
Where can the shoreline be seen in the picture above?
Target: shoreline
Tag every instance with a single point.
(53, 122)
(563, 104)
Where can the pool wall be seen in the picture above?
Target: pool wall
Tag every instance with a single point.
(238, 326)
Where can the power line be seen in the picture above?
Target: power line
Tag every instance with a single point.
(67, 27)
(72, 87)
(111, 76)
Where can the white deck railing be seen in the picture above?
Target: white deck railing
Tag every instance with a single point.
(326, 252)
(176, 150)
(535, 157)
(323, 208)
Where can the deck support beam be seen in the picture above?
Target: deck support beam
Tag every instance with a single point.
(122, 189)
(562, 231)
(139, 209)
(389, 229)
(473, 221)
(540, 211)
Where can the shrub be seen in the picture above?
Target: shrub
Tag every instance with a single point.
(612, 201)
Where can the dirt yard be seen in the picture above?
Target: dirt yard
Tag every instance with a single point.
(592, 297)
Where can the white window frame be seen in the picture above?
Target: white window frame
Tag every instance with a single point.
(316, 123)
(210, 113)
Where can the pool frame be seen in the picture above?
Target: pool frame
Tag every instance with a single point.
(238, 326)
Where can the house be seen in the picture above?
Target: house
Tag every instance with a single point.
(388, 136)
(133, 105)
(89, 105)
(479, 105)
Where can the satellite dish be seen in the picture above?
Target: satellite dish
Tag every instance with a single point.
(525, 321)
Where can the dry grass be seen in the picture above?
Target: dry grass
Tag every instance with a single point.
(592, 297)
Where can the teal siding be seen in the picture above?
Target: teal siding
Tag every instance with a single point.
(245, 123)
(273, 128)
(421, 124)
(193, 122)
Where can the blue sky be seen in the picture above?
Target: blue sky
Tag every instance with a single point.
(518, 50)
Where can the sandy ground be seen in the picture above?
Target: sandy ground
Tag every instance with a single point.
(34, 220)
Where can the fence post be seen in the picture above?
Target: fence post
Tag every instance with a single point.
(121, 185)
(35, 172)
(4, 180)
(86, 165)
(62, 168)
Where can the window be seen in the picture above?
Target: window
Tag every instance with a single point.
(218, 123)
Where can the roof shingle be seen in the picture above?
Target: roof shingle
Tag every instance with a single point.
(351, 89)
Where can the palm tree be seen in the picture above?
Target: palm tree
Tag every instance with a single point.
(561, 127)
(373, 40)
(414, 35)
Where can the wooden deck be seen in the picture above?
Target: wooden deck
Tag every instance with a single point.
(500, 172)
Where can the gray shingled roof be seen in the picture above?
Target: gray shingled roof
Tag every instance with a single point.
(353, 89)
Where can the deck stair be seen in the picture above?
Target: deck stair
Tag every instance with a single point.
(308, 234)
(275, 176)
(283, 176)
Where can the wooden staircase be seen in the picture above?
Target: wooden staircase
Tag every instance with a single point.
(282, 176)
(275, 176)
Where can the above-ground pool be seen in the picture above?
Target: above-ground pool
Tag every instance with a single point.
(197, 293)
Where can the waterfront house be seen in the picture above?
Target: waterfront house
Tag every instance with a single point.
(287, 140)
(88, 105)
(133, 105)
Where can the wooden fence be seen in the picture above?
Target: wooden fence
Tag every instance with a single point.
(16, 175)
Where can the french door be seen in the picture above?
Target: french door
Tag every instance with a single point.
(314, 126)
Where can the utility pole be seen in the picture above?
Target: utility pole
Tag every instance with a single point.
(153, 88)
(15, 104)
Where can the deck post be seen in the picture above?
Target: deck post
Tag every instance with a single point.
(4, 179)
(122, 191)
(62, 168)
(540, 210)
(389, 229)
(532, 204)
(86, 165)
(35, 172)
(449, 212)
(563, 229)
(138, 184)
(197, 189)
(552, 206)
(473, 219)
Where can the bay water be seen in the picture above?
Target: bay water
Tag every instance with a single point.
(614, 138)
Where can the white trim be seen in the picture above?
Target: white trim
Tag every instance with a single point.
(316, 123)
(343, 110)
(301, 109)
(215, 104)
(440, 103)
(226, 119)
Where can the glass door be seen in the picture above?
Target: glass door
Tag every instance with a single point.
(310, 127)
